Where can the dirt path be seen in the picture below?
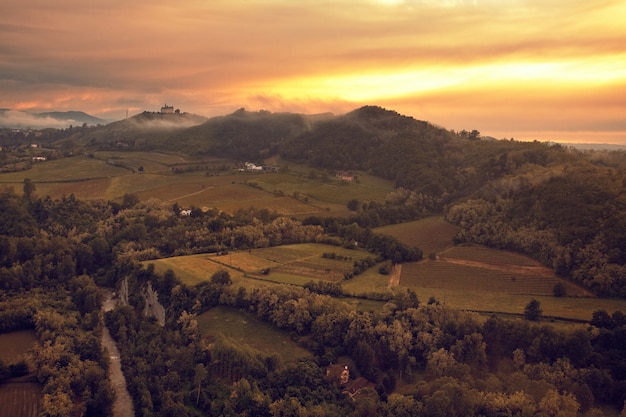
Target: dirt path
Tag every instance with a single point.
(180, 197)
(123, 406)
(394, 277)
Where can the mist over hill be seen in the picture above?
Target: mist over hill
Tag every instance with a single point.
(16, 119)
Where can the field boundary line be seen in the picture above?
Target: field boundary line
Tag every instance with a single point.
(533, 270)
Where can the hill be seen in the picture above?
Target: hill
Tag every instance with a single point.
(562, 206)
(78, 116)
(16, 119)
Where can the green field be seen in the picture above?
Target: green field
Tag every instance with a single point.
(245, 329)
(110, 175)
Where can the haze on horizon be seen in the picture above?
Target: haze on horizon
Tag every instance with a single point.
(528, 69)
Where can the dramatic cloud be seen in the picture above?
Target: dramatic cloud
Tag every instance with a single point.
(532, 69)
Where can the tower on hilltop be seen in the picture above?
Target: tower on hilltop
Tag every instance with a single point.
(167, 109)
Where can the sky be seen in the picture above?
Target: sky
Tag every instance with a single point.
(524, 69)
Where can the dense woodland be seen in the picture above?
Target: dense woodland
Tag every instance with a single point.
(558, 205)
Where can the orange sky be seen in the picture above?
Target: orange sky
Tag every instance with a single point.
(528, 69)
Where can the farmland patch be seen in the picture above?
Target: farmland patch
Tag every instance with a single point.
(508, 279)
(431, 235)
(20, 399)
(14, 345)
(292, 264)
(193, 269)
(245, 329)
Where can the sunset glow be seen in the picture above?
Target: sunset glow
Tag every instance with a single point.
(529, 69)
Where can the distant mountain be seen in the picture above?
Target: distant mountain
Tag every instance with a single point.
(17, 119)
(78, 116)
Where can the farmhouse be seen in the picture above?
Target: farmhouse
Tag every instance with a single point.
(252, 167)
(338, 374)
(355, 389)
(185, 212)
(39, 158)
(359, 388)
(344, 176)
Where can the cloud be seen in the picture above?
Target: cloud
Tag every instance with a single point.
(210, 58)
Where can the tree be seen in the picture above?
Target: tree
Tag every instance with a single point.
(29, 188)
(221, 277)
(559, 290)
(130, 200)
(200, 375)
(353, 205)
(533, 310)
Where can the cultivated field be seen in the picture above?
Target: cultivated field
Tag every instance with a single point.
(246, 330)
(288, 264)
(478, 278)
(431, 235)
(203, 183)
(20, 399)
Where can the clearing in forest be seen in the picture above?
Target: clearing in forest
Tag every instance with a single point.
(246, 330)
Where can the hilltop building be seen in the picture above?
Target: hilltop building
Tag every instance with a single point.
(167, 109)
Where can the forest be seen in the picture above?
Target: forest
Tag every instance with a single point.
(415, 357)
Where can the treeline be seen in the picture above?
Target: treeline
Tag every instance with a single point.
(458, 365)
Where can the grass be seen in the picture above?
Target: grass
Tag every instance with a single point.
(193, 269)
(245, 329)
(14, 345)
(74, 168)
(431, 235)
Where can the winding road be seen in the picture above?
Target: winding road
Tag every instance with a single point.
(123, 406)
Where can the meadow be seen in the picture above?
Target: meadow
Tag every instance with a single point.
(246, 330)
